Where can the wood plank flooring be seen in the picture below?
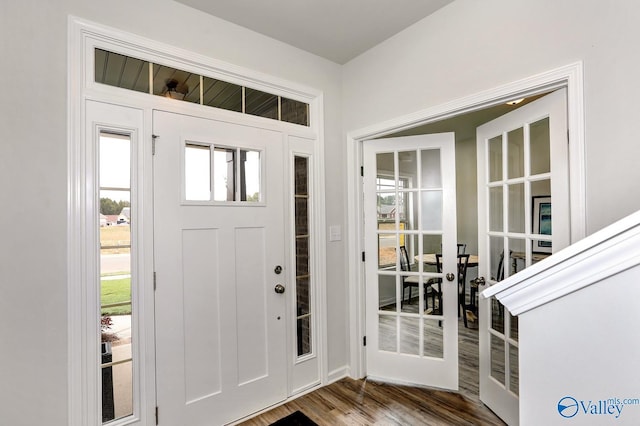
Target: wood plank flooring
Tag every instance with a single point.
(364, 402)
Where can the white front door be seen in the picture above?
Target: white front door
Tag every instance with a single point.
(219, 234)
(411, 309)
(523, 182)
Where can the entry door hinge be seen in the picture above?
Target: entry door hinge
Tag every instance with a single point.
(363, 257)
(153, 144)
(154, 281)
(362, 171)
(156, 415)
(364, 341)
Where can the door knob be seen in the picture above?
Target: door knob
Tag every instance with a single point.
(279, 288)
(278, 270)
(450, 276)
(480, 281)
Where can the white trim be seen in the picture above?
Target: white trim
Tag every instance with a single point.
(318, 294)
(337, 374)
(569, 76)
(609, 251)
(320, 243)
(78, 404)
(161, 53)
(83, 401)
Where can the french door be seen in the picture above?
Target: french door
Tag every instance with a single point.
(219, 239)
(411, 307)
(523, 183)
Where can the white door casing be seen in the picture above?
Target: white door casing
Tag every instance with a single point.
(421, 170)
(522, 155)
(220, 326)
(83, 312)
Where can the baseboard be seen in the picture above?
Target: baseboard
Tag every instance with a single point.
(337, 374)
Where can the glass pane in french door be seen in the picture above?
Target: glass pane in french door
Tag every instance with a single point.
(540, 144)
(409, 224)
(520, 234)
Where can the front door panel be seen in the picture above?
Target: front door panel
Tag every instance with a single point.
(220, 326)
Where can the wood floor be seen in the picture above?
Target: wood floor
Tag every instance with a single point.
(363, 402)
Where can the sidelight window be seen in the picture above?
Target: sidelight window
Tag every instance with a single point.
(302, 250)
(116, 313)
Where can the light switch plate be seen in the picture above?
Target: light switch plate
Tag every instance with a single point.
(335, 233)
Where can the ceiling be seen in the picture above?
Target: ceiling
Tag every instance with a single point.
(464, 125)
(338, 30)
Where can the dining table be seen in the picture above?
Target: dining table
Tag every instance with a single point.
(430, 259)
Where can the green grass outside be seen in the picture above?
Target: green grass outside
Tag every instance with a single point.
(116, 291)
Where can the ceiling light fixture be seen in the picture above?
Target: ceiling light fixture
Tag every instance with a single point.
(175, 90)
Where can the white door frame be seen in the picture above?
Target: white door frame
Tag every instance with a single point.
(569, 76)
(82, 310)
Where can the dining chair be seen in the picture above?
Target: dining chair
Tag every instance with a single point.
(462, 248)
(409, 282)
(499, 276)
(463, 263)
(462, 266)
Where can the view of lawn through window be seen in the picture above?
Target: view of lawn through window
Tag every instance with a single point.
(388, 209)
(115, 276)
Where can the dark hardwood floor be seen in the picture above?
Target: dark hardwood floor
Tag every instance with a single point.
(364, 402)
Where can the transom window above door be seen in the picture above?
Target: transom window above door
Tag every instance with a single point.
(135, 74)
(222, 174)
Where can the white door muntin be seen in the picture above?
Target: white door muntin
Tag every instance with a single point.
(418, 368)
(502, 398)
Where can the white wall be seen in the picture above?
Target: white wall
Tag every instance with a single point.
(33, 177)
(597, 329)
(470, 46)
(464, 48)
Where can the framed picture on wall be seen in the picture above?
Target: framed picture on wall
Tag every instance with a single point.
(542, 222)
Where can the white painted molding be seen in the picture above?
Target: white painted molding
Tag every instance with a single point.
(569, 76)
(607, 252)
(82, 36)
(337, 374)
(155, 51)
